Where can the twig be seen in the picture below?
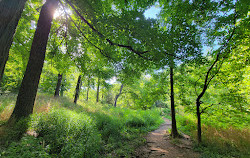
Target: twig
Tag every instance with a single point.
(203, 110)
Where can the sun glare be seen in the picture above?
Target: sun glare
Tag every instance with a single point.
(57, 13)
(60, 12)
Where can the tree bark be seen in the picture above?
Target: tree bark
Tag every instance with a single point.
(87, 95)
(97, 91)
(174, 132)
(27, 93)
(78, 86)
(62, 90)
(117, 96)
(198, 113)
(102, 93)
(10, 13)
(58, 85)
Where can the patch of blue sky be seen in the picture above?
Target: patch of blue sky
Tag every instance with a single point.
(152, 12)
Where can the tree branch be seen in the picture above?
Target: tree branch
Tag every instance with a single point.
(207, 80)
(172, 55)
(101, 51)
(195, 86)
(203, 110)
(139, 53)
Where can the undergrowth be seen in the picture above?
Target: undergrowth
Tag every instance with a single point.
(63, 129)
(218, 142)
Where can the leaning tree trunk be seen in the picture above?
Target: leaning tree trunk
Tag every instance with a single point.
(58, 85)
(174, 132)
(117, 96)
(27, 93)
(10, 13)
(97, 91)
(78, 85)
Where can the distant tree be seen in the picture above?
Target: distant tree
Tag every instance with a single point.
(117, 96)
(58, 85)
(78, 87)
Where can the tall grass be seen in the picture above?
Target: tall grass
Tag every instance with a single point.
(7, 103)
(64, 129)
(217, 141)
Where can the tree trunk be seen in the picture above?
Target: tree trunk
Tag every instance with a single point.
(198, 113)
(97, 91)
(102, 93)
(58, 85)
(10, 13)
(174, 132)
(78, 86)
(87, 96)
(27, 93)
(117, 96)
(62, 90)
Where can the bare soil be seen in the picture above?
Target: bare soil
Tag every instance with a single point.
(160, 145)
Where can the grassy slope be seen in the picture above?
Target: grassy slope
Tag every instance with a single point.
(63, 129)
(218, 142)
(101, 131)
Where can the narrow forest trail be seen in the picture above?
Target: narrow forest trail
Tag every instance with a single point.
(159, 145)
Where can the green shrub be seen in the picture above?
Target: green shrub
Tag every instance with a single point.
(135, 121)
(69, 134)
(166, 111)
(109, 126)
(186, 124)
(152, 117)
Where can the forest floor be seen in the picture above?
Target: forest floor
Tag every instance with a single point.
(159, 145)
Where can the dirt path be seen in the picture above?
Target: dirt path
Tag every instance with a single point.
(159, 145)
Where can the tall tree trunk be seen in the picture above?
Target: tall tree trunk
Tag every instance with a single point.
(10, 13)
(58, 85)
(97, 91)
(27, 93)
(198, 113)
(117, 96)
(102, 93)
(174, 131)
(62, 90)
(78, 86)
(87, 95)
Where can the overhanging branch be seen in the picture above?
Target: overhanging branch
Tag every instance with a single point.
(139, 53)
(101, 51)
(207, 80)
